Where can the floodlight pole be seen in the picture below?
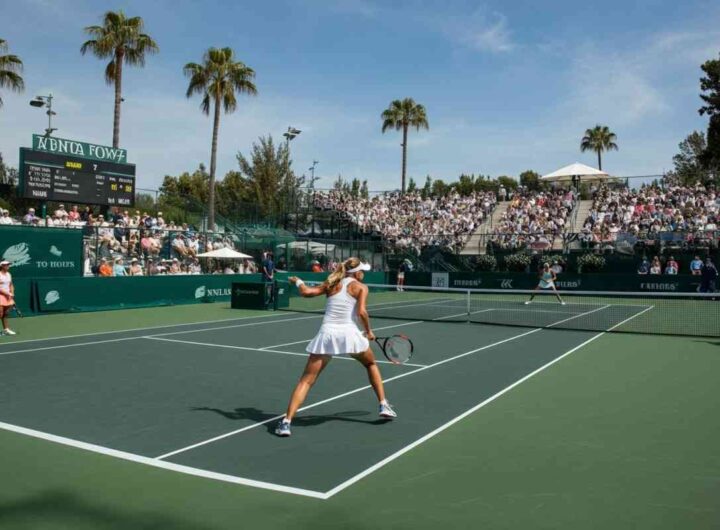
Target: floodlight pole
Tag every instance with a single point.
(45, 101)
(291, 133)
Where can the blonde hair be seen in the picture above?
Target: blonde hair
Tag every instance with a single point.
(340, 272)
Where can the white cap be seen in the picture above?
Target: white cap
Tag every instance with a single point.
(361, 267)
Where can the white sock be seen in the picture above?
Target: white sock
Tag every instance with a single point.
(285, 420)
(384, 402)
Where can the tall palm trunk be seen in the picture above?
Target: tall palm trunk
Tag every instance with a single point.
(213, 157)
(404, 157)
(118, 97)
(599, 160)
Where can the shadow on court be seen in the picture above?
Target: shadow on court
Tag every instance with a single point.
(712, 343)
(301, 420)
(58, 509)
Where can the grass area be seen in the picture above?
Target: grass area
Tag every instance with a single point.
(621, 434)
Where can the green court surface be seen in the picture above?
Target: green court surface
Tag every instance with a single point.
(163, 418)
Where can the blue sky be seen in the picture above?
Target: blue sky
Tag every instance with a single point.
(507, 86)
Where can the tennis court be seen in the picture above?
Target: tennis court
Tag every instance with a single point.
(194, 405)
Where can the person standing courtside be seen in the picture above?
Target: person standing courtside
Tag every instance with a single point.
(7, 296)
(268, 272)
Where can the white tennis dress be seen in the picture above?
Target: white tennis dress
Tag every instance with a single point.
(546, 281)
(340, 332)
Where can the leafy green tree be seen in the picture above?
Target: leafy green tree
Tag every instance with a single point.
(439, 188)
(530, 179)
(401, 115)
(145, 202)
(465, 184)
(234, 198)
(187, 191)
(598, 139)
(485, 183)
(268, 183)
(510, 183)
(122, 40)
(364, 191)
(355, 188)
(218, 79)
(427, 188)
(689, 167)
(412, 186)
(710, 85)
(10, 68)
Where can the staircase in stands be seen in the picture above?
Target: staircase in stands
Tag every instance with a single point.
(478, 242)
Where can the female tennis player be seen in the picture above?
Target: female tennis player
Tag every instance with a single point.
(547, 281)
(7, 296)
(341, 333)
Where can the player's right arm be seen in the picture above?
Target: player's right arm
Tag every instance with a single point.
(306, 290)
(360, 291)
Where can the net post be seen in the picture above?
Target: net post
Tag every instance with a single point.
(468, 305)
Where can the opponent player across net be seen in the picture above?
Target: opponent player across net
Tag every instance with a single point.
(341, 333)
(547, 282)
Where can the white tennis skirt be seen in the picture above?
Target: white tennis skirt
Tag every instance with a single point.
(338, 340)
(546, 285)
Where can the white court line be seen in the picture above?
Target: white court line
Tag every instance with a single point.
(179, 468)
(409, 447)
(157, 335)
(156, 462)
(130, 330)
(337, 489)
(409, 323)
(245, 348)
(365, 387)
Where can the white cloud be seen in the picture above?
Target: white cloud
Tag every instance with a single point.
(480, 31)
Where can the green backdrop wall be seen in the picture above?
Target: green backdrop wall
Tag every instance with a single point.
(42, 252)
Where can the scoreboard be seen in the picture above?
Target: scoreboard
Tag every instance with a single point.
(62, 178)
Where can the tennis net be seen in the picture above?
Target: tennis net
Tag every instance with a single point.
(693, 314)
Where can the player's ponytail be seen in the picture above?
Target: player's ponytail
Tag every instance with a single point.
(340, 272)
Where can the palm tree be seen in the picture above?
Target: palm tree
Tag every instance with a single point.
(598, 139)
(401, 115)
(122, 39)
(10, 66)
(218, 79)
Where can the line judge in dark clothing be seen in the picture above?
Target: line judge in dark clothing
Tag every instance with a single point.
(268, 272)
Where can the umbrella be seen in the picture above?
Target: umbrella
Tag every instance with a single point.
(224, 253)
(575, 170)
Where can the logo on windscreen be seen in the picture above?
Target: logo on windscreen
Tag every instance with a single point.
(200, 292)
(17, 254)
(51, 297)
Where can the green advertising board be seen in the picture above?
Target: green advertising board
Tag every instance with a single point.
(682, 283)
(248, 295)
(95, 294)
(42, 252)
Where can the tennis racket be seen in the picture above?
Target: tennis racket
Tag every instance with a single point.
(17, 311)
(398, 349)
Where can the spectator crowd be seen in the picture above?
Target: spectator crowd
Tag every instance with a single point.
(411, 222)
(534, 219)
(125, 244)
(692, 213)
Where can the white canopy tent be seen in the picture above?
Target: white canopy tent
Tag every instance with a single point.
(224, 253)
(314, 247)
(576, 170)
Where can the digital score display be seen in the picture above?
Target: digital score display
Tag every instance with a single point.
(52, 177)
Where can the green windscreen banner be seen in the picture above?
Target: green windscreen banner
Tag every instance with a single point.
(95, 294)
(36, 252)
(679, 283)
